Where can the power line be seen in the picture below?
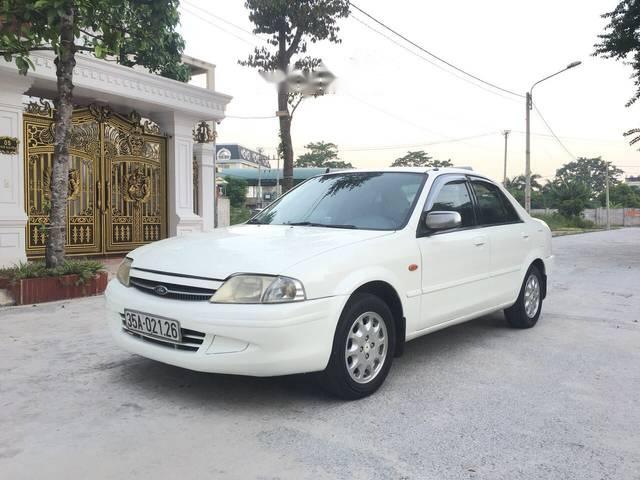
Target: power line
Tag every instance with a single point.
(437, 65)
(434, 55)
(211, 14)
(416, 145)
(210, 22)
(573, 157)
(240, 117)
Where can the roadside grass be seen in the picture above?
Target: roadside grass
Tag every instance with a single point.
(562, 225)
(239, 215)
(85, 269)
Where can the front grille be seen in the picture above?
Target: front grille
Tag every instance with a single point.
(191, 339)
(175, 291)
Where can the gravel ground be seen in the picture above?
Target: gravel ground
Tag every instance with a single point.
(476, 401)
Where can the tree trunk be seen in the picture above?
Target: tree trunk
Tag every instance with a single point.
(285, 121)
(285, 139)
(65, 62)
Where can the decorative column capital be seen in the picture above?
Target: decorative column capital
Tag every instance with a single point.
(203, 133)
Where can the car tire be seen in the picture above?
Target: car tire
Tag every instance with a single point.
(363, 348)
(526, 311)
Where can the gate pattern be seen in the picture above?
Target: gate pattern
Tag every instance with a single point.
(117, 181)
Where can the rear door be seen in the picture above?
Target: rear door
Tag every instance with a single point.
(455, 263)
(509, 237)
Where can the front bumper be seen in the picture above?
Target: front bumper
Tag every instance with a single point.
(256, 340)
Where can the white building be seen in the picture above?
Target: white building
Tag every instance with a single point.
(233, 155)
(136, 173)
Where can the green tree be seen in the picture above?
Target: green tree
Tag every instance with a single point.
(132, 31)
(236, 190)
(291, 26)
(622, 195)
(590, 172)
(515, 186)
(321, 154)
(420, 158)
(570, 197)
(620, 40)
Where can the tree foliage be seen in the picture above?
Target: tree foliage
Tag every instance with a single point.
(321, 154)
(290, 27)
(236, 190)
(420, 158)
(591, 172)
(130, 31)
(622, 196)
(620, 40)
(570, 196)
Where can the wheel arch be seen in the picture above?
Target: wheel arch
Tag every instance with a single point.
(539, 264)
(388, 294)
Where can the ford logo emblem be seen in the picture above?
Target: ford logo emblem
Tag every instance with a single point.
(161, 290)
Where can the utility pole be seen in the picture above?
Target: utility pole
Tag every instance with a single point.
(606, 179)
(527, 168)
(529, 106)
(278, 177)
(260, 184)
(506, 135)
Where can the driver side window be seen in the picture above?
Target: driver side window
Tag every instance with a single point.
(455, 197)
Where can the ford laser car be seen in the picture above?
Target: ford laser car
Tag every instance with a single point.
(334, 277)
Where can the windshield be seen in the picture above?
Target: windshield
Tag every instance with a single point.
(363, 200)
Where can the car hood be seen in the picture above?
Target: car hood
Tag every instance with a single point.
(268, 249)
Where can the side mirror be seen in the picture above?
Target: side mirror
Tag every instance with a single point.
(442, 220)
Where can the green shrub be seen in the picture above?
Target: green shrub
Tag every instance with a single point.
(85, 269)
(557, 221)
(239, 215)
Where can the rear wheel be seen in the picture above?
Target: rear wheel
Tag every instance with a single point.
(526, 311)
(363, 348)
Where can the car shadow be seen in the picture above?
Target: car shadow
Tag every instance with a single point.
(190, 388)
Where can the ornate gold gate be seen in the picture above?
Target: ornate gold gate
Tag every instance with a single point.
(117, 180)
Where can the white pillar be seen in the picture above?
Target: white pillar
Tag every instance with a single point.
(13, 218)
(178, 127)
(204, 153)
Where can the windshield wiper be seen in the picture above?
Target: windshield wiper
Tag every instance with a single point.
(255, 222)
(315, 224)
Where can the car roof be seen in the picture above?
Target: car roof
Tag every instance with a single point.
(437, 171)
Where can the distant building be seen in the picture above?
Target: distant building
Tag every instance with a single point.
(633, 181)
(232, 155)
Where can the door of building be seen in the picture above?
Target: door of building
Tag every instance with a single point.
(117, 181)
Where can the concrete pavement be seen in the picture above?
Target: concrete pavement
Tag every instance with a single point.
(476, 401)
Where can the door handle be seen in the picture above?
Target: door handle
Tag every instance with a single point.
(525, 235)
(479, 241)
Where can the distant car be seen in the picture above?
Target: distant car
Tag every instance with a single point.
(334, 277)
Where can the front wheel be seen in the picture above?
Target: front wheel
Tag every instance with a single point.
(363, 348)
(526, 311)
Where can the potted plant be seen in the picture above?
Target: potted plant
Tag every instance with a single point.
(33, 282)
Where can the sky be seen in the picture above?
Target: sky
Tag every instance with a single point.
(387, 100)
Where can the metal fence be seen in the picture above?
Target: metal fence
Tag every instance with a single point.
(619, 217)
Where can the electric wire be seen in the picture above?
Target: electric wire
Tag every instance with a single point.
(433, 55)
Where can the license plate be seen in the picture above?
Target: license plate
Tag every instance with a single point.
(152, 325)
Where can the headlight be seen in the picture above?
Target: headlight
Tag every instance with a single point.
(259, 289)
(123, 272)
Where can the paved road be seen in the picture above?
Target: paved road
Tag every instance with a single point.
(476, 401)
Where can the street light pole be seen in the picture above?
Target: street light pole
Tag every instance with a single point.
(506, 136)
(529, 107)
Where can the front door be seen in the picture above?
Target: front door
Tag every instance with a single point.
(116, 181)
(455, 263)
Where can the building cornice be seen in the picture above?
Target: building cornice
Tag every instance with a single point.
(110, 80)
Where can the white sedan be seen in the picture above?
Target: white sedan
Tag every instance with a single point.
(335, 277)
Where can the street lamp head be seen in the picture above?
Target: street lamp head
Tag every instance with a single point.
(573, 64)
